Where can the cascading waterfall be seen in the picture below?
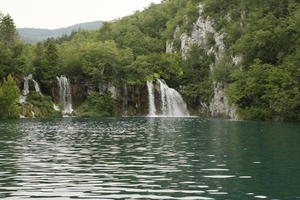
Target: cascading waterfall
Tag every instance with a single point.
(36, 86)
(26, 84)
(26, 90)
(152, 108)
(171, 102)
(125, 99)
(65, 95)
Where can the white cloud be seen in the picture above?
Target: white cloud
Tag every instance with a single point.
(61, 13)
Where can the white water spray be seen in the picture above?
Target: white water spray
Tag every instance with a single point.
(56, 107)
(65, 95)
(26, 84)
(37, 87)
(171, 102)
(152, 108)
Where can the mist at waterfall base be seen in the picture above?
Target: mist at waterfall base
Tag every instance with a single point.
(170, 101)
(148, 158)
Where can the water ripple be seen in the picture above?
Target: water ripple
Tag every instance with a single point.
(127, 158)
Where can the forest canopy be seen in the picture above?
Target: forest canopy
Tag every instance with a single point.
(265, 34)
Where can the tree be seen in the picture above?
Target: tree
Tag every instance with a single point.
(8, 32)
(15, 57)
(52, 54)
(166, 66)
(9, 95)
(5, 59)
(48, 68)
(101, 60)
(39, 60)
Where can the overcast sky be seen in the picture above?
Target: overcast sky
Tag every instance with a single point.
(60, 13)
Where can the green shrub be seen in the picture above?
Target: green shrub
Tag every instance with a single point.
(41, 106)
(255, 113)
(97, 105)
(193, 94)
(9, 95)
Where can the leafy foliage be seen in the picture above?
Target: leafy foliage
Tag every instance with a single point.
(8, 33)
(14, 55)
(264, 34)
(267, 81)
(9, 95)
(41, 106)
(197, 83)
(97, 105)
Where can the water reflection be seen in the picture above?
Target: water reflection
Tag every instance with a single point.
(148, 158)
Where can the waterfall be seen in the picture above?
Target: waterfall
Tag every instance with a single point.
(152, 108)
(22, 99)
(26, 88)
(56, 108)
(33, 114)
(125, 99)
(65, 95)
(171, 102)
(26, 84)
(36, 86)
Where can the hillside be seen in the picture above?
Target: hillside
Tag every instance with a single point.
(33, 35)
(234, 59)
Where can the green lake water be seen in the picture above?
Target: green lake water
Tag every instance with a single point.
(149, 158)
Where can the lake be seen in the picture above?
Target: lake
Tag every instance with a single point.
(149, 158)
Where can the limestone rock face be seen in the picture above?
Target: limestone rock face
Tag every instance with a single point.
(219, 106)
(170, 44)
(237, 60)
(202, 29)
(169, 47)
(109, 87)
(113, 90)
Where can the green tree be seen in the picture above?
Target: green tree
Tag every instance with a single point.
(49, 65)
(101, 60)
(39, 61)
(157, 65)
(8, 32)
(15, 58)
(5, 59)
(21, 57)
(52, 54)
(9, 95)
(70, 61)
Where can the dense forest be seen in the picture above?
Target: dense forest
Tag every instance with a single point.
(236, 55)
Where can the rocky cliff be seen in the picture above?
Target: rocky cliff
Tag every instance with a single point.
(202, 31)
